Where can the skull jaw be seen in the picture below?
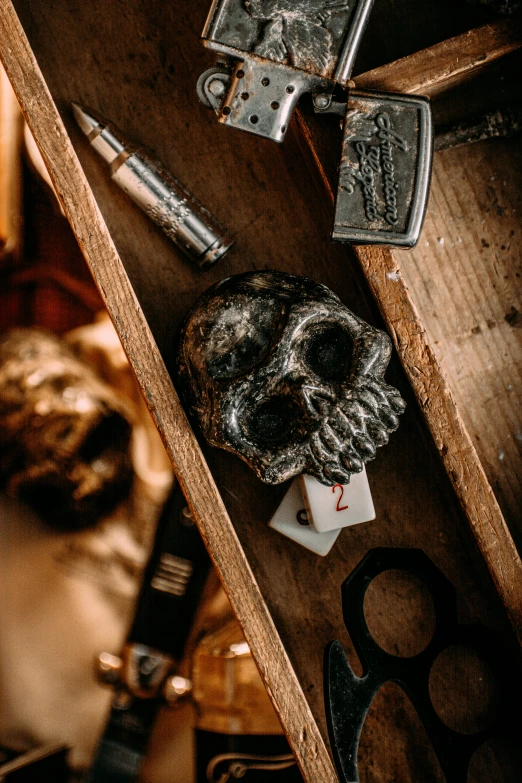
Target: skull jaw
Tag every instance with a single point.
(269, 468)
(277, 465)
(320, 450)
(276, 469)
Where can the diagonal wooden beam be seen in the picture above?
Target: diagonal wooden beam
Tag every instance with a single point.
(434, 70)
(187, 459)
(10, 171)
(431, 71)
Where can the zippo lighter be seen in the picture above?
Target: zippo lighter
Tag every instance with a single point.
(271, 52)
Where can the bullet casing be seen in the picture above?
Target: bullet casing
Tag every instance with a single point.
(159, 194)
(171, 207)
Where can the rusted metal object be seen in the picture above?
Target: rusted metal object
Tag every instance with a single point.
(281, 50)
(502, 123)
(271, 53)
(385, 169)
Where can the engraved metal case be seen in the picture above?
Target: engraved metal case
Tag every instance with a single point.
(385, 169)
(272, 52)
(281, 49)
(275, 369)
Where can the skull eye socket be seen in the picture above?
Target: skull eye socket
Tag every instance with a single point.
(330, 353)
(272, 422)
(242, 358)
(240, 337)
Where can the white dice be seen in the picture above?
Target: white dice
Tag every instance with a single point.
(291, 521)
(330, 508)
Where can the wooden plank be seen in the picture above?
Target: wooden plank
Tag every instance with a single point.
(438, 68)
(450, 435)
(10, 171)
(431, 71)
(464, 277)
(191, 470)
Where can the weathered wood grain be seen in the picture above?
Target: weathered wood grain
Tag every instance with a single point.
(449, 63)
(465, 279)
(192, 472)
(465, 273)
(138, 64)
(10, 171)
(451, 437)
(497, 360)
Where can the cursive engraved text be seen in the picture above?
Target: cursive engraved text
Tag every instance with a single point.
(376, 160)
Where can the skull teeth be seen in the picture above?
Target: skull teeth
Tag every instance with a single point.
(368, 399)
(354, 414)
(390, 419)
(365, 446)
(379, 434)
(397, 403)
(320, 451)
(352, 464)
(330, 439)
(387, 396)
(342, 425)
(318, 401)
(377, 392)
(351, 431)
(336, 473)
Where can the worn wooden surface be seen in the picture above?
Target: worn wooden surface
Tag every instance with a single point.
(191, 470)
(465, 280)
(138, 65)
(10, 172)
(489, 372)
(446, 64)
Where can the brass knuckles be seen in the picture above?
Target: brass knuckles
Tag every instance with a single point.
(348, 697)
(144, 673)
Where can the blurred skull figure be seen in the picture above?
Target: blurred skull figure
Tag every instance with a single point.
(65, 434)
(79, 446)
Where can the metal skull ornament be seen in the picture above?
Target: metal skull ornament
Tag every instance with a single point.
(278, 371)
(65, 433)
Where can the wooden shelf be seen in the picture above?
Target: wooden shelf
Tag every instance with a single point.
(454, 283)
(138, 64)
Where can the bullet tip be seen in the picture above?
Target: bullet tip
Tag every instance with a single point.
(86, 119)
